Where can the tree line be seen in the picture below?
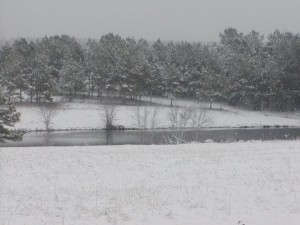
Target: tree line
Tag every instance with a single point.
(246, 70)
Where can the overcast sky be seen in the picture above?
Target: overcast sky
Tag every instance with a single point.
(190, 20)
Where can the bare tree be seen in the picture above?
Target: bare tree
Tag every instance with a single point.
(180, 119)
(154, 116)
(173, 117)
(145, 118)
(192, 117)
(109, 115)
(46, 114)
(140, 117)
(200, 119)
(171, 97)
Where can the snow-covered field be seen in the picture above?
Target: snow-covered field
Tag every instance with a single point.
(88, 115)
(210, 184)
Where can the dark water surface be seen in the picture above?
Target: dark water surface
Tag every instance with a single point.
(102, 137)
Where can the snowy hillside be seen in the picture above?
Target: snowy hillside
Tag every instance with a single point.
(86, 115)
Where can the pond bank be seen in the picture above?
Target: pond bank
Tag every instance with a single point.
(158, 136)
(120, 127)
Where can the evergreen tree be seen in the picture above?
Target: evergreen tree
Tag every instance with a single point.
(284, 50)
(244, 64)
(8, 117)
(8, 71)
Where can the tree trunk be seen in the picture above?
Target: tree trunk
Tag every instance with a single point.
(140, 99)
(98, 86)
(31, 94)
(151, 94)
(89, 92)
(124, 99)
(70, 96)
(31, 90)
(20, 94)
(101, 97)
(140, 94)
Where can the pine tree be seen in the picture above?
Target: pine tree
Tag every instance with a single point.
(8, 117)
(284, 50)
(72, 78)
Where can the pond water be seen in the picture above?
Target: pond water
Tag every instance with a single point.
(118, 137)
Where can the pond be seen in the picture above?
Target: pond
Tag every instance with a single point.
(119, 137)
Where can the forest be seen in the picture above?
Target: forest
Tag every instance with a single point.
(246, 70)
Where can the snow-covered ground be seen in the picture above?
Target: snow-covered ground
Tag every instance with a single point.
(88, 115)
(212, 184)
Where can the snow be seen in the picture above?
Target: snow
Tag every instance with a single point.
(257, 183)
(88, 115)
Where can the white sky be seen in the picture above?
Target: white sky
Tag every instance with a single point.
(190, 20)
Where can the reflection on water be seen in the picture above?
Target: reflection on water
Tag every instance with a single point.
(101, 137)
(109, 137)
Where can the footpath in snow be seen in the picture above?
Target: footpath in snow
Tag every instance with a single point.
(210, 184)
